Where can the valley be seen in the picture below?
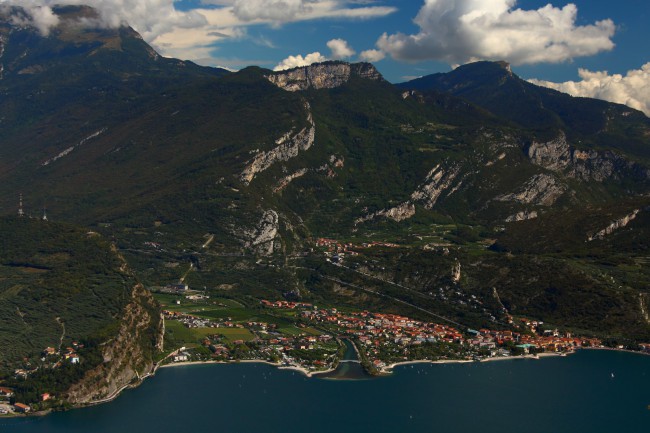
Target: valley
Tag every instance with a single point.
(459, 216)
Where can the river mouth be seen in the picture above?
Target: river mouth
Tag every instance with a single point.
(349, 367)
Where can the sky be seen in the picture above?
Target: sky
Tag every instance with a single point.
(595, 48)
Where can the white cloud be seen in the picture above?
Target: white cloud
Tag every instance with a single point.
(459, 31)
(151, 18)
(195, 34)
(296, 61)
(39, 15)
(340, 49)
(632, 89)
(277, 12)
(272, 10)
(371, 56)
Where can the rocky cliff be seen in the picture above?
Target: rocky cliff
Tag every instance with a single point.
(438, 181)
(541, 189)
(326, 75)
(559, 156)
(288, 146)
(128, 355)
(522, 216)
(614, 225)
(262, 238)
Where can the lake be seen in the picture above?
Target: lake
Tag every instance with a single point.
(592, 391)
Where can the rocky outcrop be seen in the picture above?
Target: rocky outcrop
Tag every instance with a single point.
(285, 181)
(553, 155)
(541, 189)
(456, 273)
(437, 181)
(288, 146)
(558, 156)
(262, 238)
(614, 225)
(327, 75)
(398, 213)
(128, 356)
(521, 216)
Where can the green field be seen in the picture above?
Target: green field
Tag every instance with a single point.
(233, 334)
(190, 337)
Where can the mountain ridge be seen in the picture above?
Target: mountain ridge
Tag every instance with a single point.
(227, 181)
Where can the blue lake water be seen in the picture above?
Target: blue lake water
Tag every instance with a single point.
(554, 395)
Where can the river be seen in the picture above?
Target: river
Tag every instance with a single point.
(592, 391)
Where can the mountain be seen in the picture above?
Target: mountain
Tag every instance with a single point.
(493, 86)
(63, 286)
(473, 195)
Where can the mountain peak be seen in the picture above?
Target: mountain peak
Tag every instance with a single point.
(326, 75)
(483, 70)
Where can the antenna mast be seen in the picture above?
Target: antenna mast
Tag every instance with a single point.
(21, 212)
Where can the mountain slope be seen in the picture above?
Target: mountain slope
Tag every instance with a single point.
(493, 86)
(67, 289)
(228, 180)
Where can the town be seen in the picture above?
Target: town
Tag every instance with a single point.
(381, 340)
(51, 358)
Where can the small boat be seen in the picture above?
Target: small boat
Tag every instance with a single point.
(612, 375)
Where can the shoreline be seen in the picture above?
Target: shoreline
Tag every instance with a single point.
(389, 368)
(302, 370)
(308, 373)
(638, 352)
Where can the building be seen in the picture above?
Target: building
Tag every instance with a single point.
(21, 408)
(181, 357)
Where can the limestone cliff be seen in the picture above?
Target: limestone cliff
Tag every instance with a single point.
(327, 75)
(128, 356)
(541, 189)
(398, 213)
(285, 181)
(288, 146)
(558, 156)
(614, 225)
(522, 216)
(438, 181)
(262, 238)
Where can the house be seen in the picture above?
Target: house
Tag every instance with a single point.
(6, 392)
(181, 357)
(74, 359)
(45, 396)
(21, 408)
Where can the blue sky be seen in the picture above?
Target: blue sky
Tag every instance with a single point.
(268, 44)
(564, 45)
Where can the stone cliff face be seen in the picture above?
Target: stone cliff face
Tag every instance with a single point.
(521, 216)
(326, 75)
(438, 181)
(614, 225)
(558, 156)
(262, 238)
(541, 189)
(128, 356)
(288, 146)
(398, 213)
